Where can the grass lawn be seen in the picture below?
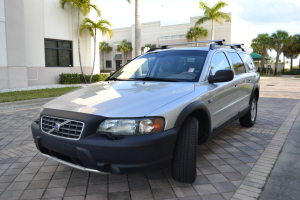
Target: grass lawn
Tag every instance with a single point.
(297, 76)
(34, 94)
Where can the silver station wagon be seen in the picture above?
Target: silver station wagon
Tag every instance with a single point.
(152, 112)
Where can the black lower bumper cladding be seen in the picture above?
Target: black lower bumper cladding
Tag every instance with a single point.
(97, 153)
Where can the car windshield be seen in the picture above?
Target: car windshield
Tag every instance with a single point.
(173, 65)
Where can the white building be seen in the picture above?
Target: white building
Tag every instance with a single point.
(38, 41)
(155, 33)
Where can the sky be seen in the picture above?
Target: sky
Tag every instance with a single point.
(255, 16)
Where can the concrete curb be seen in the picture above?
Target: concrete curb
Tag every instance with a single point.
(20, 104)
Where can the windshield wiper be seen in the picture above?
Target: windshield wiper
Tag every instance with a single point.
(148, 78)
(116, 79)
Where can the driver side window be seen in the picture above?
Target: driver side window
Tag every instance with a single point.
(219, 62)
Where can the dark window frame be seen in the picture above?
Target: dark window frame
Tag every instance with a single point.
(110, 61)
(58, 49)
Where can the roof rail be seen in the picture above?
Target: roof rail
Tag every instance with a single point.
(220, 42)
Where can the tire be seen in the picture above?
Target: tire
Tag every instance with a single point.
(184, 160)
(249, 119)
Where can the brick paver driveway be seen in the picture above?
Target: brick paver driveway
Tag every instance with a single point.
(225, 164)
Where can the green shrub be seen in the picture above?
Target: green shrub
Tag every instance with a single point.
(77, 78)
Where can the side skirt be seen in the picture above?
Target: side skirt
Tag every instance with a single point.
(221, 126)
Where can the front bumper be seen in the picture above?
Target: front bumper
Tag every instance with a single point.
(96, 152)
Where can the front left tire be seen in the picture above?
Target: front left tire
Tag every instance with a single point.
(184, 160)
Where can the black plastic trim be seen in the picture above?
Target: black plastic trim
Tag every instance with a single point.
(194, 106)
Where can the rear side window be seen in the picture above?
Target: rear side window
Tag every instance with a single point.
(219, 62)
(237, 63)
(248, 62)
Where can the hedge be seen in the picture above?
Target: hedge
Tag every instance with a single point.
(77, 78)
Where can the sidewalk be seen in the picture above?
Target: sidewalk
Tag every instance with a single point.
(284, 182)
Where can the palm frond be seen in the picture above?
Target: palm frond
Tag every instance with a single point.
(202, 20)
(96, 9)
(218, 6)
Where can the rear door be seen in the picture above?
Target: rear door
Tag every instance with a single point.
(243, 79)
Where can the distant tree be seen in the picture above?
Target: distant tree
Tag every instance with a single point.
(104, 47)
(279, 38)
(213, 14)
(92, 27)
(195, 33)
(83, 6)
(262, 43)
(291, 49)
(150, 46)
(124, 47)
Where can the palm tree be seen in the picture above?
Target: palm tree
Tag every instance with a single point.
(92, 27)
(150, 46)
(104, 47)
(85, 7)
(213, 14)
(137, 31)
(195, 33)
(291, 49)
(278, 39)
(124, 47)
(261, 44)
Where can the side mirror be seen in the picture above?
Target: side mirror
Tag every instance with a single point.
(223, 75)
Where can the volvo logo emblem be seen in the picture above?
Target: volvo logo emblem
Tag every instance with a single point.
(57, 126)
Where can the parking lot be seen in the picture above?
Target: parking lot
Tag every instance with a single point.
(234, 159)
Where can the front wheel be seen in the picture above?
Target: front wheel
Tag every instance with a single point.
(249, 119)
(184, 161)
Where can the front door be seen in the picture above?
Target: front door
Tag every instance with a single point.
(118, 64)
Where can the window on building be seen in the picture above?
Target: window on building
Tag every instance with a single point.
(108, 64)
(58, 53)
(237, 63)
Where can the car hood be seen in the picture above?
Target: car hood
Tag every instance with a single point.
(121, 98)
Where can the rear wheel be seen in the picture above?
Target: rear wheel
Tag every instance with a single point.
(249, 119)
(184, 161)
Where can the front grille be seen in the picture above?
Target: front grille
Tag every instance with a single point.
(70, 130)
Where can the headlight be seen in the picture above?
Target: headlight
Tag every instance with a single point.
(132, 126)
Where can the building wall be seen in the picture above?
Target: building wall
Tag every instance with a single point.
(155, 33)
(24, 25)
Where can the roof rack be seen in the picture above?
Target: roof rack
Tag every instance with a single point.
(235, 46)
(165, 46)
(212, 46)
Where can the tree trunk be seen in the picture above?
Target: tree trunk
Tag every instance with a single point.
(291, 68)
(262, 61)
(102, 57)
(79, 55)
(137, 29)
(94, 56)
(276, 63)
(212, 30)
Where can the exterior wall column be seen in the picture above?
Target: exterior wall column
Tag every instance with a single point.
(15, 43)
